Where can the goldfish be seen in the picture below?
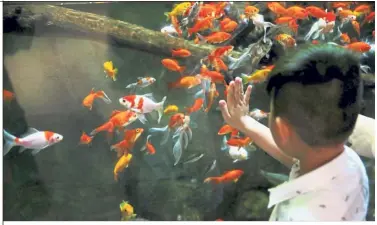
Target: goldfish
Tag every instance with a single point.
(346, 14)
(356, 26)
(297, 12)
(284, 20)
(7, 95)
(170, 30)
(32, 139)
(201, 25)
(277, 8)
(173, 65)
(196, 106)
(178, 10)
(228, 176)
(182, 136)
(344, 38)
(171, 109)
(343, 5)
(149, 147)
(118, 119)
(229, 27)
(185, 82)
(219, 64)
(175, 121)
(224, 21)
(122, 163)
(362, 9)
(250, 10)
(125, 146)
(85, 139)
(142, 82)
(89, 99)
(359, 47)
(213, 75)
(215, 37)
(211, 96)
(286, 40)
(226, 129)
(143, 104)
(258, 114)
(369, 18)
(316, 12)
(109, 70)
(239, 142)
(177, 27)
(206, 11)
(221, 51)
(127, 211)
(256, 77)
(180, 52)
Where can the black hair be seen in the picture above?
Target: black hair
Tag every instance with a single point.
(317, 89)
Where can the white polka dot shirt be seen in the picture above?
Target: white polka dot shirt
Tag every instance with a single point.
(336, 191)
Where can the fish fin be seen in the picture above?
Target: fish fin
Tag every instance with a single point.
(106, 98)
(9, 142)
(31, 130)
(224, 146)
(167, 14)
(143, 148)
(202, 40)
(189, 133)
(177, 151)
(160, 109)
(245, 78)
(235, 181)
(149, 95)
(36, 151)
(131, 85)
(22, 149)
(236, 160)
(199, 93)
(142, 118)
(186, 139)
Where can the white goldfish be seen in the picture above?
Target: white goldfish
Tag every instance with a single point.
(142, 82)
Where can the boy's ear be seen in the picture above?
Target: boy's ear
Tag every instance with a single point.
(283, 129)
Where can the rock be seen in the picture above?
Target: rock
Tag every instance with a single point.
(252, 206)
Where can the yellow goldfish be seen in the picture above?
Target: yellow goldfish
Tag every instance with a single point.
(121, 165)
(171, 109)
(179, 10)
(127, 210)
(256, 77)
(110, 70)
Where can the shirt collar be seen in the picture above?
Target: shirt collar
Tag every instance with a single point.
(308, 182)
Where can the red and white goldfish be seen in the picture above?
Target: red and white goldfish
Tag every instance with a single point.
(229, 176)
(8, 96)
(109, 70)
(198, 104)
(89, 99)
(122, 163)
(173, 65)
(185, 82)
(143, 104)
(125, 146)
(142, 82)
(212, 95)
(85, 139)
(149, 147)
(33, 139)
(175, 121)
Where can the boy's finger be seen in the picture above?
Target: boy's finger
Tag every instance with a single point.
(239, 80)
(230, 95)
(237, 91)
(247, 94)
(224, 109)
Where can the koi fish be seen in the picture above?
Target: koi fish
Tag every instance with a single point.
(109, 70)
(196, 106)
(213, 93)
(185, 82)
(175, 120)
(85, 139)
(258, 114)
(256, 77)
(127, 211)
(229, 176)
(215, 37)
(178, 10)
(171, 109)
(118, 119)
(142, 82)
(89, 99)
(122, 163)
(180, 52)
(32, 139)
(173, 65)
(149, 147)
(125, 146)
(8, 96)
(143, 104)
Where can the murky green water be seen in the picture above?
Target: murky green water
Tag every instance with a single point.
(51, 71)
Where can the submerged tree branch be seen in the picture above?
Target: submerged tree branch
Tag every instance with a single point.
(135, 36)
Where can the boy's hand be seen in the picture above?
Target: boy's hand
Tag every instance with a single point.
(236, 108)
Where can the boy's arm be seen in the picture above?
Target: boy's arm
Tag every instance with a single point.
(261, 135)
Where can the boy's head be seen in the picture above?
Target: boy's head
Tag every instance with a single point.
(315, 97)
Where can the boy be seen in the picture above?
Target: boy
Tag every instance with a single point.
(315, 99)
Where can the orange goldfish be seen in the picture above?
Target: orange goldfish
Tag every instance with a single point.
(185, 82)
(316, 12)
(89, 99)
(215, 37)
(196, 106)
(250, 10)
(110, 71)
(228, 176)
(277, 8)
(286, 40)
(173, 65)
(344, 5)
(201, 25)
(344, 14)
(239, 142)
(219, 64)
(359, 47)
(8, 96)
(181, 52)
(125, 146)
(344, 38)
(369, 18)
(362, 9)
(215, 76)
(85, 139)
(284, 20)
(221, 51)
(297, 12)
(122, 163)
(207, 11)
(315, 42)
(356, 26)
(212, 94)
(149, 147)
(175, 23)
(224, 21)
(229, 27)
(226, 129)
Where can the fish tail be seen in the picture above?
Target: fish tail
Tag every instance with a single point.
(9, 142)
(115, 176)
(108, 126)
(167, 14)
(190, 31)
(165, 138)
(177, 150)
(245, 78)
(216, 180)
(160, 109)
(131, 85)
(182, 69)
